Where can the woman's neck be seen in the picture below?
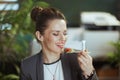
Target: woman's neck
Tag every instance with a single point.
(49, 57)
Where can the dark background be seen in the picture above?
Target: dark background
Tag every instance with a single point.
(72, 8)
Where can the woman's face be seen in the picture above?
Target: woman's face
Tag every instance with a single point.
(54, 37)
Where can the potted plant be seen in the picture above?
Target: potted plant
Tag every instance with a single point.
(15, 38)
(114, 57)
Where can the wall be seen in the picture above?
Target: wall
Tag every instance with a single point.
(72, 8)
(97, 42)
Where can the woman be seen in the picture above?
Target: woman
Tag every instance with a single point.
(52, 63)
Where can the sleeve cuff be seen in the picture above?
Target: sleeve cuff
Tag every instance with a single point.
(93, 76)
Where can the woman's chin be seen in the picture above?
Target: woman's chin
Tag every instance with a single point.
(60, 51)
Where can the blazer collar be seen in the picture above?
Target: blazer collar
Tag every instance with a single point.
(39, 67)
(65, 66)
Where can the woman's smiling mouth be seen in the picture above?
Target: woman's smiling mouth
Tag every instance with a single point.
(61, 44)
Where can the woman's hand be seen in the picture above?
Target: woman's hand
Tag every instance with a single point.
(85, 63)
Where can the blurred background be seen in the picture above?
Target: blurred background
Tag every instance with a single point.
(95, 21)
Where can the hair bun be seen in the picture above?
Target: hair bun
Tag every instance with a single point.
(35, 12)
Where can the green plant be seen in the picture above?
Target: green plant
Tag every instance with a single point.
(10, 76)
(16, 34)
(114, 57)
(15, 42)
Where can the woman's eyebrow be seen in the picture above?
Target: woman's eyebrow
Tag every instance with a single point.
(58, 31)
(55, 31)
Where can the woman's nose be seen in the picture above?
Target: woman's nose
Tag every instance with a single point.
(63, 37)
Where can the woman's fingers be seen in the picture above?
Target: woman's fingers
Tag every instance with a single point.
(84, 53)
(85, 62)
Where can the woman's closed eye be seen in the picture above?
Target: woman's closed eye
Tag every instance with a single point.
(55, 34)
(65, 33)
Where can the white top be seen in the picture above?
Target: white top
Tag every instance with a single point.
(53, 71)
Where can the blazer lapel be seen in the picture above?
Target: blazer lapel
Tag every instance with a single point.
(39, 67)
(66, 67)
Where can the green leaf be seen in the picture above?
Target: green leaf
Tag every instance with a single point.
(11, 77)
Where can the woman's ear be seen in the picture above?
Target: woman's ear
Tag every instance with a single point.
(39, 36)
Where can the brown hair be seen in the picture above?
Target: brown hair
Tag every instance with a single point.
(41, 16)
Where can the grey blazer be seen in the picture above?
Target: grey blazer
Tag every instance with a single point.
(32, 68)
